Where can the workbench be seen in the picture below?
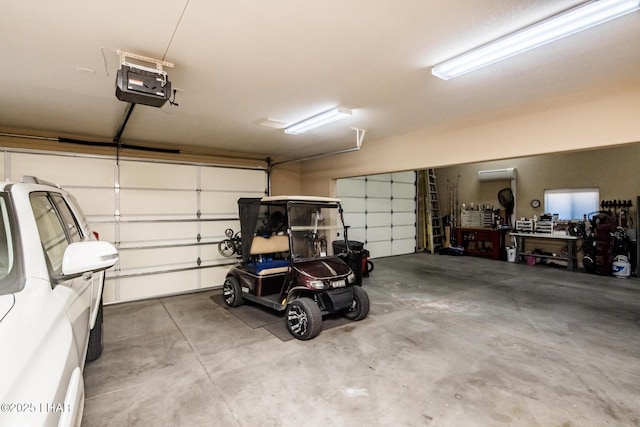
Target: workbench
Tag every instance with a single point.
(521, 238)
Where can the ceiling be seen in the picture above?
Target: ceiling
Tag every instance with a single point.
(240, 62)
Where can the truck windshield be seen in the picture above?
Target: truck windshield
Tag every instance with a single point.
(312, 227)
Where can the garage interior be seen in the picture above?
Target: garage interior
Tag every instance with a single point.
(450, 340)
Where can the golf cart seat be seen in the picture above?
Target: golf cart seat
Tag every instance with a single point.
(266, 248)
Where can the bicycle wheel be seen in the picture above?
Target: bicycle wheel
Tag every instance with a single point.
(226, 248)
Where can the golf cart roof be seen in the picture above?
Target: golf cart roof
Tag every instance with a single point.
(300, 199)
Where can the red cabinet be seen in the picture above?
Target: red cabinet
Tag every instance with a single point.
(480, 241)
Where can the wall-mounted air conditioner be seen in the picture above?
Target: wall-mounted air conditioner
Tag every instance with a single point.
(497, 174)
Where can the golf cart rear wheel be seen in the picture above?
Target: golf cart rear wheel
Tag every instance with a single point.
(304, 319)
(231, 292)
(359, 306)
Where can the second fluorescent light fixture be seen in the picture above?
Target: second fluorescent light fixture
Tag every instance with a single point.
(565, 24)
(318, 120)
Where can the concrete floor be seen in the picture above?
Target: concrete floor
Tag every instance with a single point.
(450, 341)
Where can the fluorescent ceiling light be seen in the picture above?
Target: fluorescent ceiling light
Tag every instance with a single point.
(570, 22)
(318, 120)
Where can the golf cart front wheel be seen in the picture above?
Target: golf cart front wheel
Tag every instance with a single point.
(359, 306)
(304, 319)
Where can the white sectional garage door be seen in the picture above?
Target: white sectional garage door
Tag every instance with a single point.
(165, 219)
(381, 210)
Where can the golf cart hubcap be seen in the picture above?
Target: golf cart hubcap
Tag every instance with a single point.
(297, 319)
(228, 293)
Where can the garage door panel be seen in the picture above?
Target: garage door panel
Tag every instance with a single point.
(134, 288)
(68, 172)
(379, 249)
(106, 231)
(354, 187)
(157, 259)
(404, 232)
(377, 234)
(213, 277)
(404, 190)
(353, 204)
(209, 255)
(235, 180)
(217, 204)
(95, 201)
(157, 202)
(355, 219)
(377, 189)
(382, 209)
(378, 219)
(403, 246)
(403, 218)
(109, 289)
(403, 205)
(378, 205)
(357, 234)
(384, 178)
(159, 232)
(157, 227)
(136, 174)
(404, 177)
(214, 230)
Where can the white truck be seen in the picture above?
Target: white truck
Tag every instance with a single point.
(51, 279)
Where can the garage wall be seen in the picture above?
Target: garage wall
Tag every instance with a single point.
(381, 211)
(597, 120)
(166, 219)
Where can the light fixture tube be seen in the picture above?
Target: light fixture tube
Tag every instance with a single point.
(574, 20)
(318, 120)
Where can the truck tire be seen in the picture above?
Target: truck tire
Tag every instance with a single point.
(96, 343)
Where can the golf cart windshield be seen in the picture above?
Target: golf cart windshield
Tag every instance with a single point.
(312, 226)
